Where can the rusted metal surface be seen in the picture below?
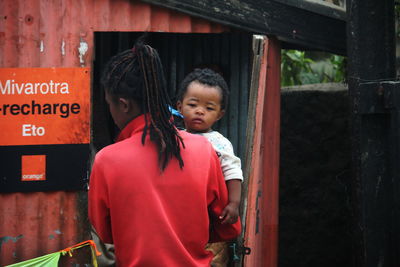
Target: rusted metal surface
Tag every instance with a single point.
(38, 33)
(41, 33)
(261, 234)
(33, 224)
(271, 142)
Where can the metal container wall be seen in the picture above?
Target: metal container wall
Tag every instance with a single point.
(60, 33)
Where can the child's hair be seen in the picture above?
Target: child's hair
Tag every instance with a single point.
(137, 74)
(208, 77)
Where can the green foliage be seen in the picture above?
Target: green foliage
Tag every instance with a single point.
(295, 68)
(397, 16)
(299, 68)
(397, 8)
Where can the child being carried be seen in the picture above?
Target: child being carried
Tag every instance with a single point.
(202, 101)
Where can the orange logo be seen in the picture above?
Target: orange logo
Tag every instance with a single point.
(33, 168)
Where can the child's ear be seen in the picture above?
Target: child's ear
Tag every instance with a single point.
(179, 106)
(221, 114)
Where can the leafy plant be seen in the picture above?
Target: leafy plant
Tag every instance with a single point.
(299, 68)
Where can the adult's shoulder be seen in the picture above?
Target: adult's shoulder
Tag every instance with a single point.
(189, 137)
(111, 151)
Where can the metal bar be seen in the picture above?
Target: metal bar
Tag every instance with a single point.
(225, 61)
(233, 83)
(173, 67)
(371, 50)
(395, 181)
(392, 102)
(243, 92)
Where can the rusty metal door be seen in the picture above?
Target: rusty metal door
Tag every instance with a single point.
(259, 241)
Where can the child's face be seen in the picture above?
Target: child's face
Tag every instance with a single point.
(201, 107)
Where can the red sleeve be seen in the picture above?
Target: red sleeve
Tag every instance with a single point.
(218, 199)
(99, 212)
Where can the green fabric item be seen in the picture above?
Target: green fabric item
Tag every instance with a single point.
(49, 260)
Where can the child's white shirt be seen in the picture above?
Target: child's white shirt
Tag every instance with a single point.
(230, 164)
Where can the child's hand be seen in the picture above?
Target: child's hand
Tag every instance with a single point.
(230, 214)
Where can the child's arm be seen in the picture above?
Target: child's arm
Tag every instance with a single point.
(230, 214)
(231, 168)
(219, 199)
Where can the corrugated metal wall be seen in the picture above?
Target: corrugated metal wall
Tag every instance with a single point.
(40, 33)
(180, 53)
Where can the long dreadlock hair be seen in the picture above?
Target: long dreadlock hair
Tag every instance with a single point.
(137, 74)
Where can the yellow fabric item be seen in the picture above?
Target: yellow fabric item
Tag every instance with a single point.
(221, 254)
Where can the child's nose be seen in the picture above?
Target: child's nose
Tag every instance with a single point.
(200, 111)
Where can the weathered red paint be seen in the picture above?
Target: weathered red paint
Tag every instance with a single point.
(271, 124)
(34, 224)
(262, 203)
(39, 33)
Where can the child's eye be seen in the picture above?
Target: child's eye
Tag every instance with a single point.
(210, 108)
(191, 105)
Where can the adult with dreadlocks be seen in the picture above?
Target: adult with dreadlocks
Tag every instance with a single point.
(151, 193)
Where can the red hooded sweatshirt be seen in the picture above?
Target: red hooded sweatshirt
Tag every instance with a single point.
(158, 218)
